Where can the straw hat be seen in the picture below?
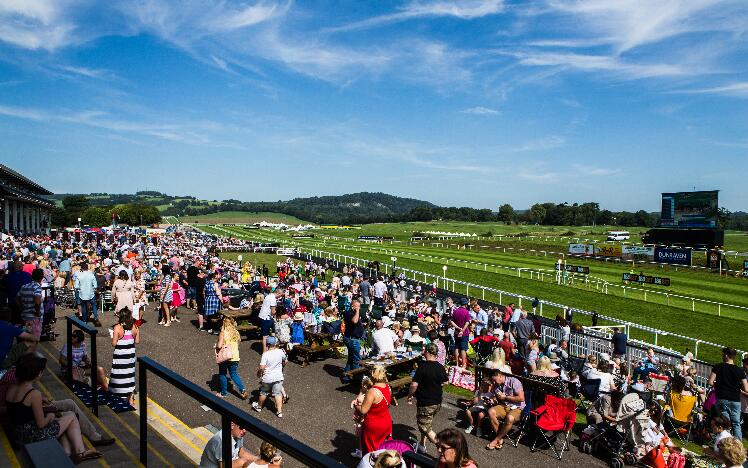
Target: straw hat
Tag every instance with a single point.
(298, 316)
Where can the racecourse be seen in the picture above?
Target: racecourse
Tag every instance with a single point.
(497, 269)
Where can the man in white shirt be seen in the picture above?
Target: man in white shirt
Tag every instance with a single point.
(481, 318)
(271, 372)
(267, 312)
(383, 339)
(380, 290)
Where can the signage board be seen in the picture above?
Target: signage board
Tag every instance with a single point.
(638, 250)
(690, 209)
(673, 256)
(582, 270)
(608, 250)
(713, 259)
(646, 279)
(581, 249)
(745, 268)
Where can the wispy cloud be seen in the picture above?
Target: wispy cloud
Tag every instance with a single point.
(87, 72)
(739, 89)
(540, 144)
(465, 10)
(480, 110)
(600, 63)
(38, 24)
(187, 133)
(589, 170)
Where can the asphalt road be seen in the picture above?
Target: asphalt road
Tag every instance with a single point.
(318, 413)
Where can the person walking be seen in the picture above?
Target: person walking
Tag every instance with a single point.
(230, 338)
(426, 387)
(166, 295)
(85, 284)
(523, 329)
(29, 300)
(124, 338)
(728, 380)
(123, 292)
(377, 425)
(213, 299)
(354, 331)
(271, 372)
(460, 322)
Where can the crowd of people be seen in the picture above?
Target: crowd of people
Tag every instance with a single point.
(372, 314)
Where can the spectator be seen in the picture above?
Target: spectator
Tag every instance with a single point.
(508, 400)
(212, 456)
(731, 452)
(27, 418)
(728, 381)
(377, 424)
(481, 318)
(524, 329)
(124, 338)
(268, 457)
(267, 312)
(80, 361)
(229, 337)
(9, 332)
(382, 459)
(477, 409)
(13, 281)
(426, 387)
(271, 372)
(498, 361)
(85, 284)
(123, 292)
(354, 332)
(619, 340)
(535, 304)
(29, 300)
(460, 322)
(453, 450)
(720, 426)
(383, 340)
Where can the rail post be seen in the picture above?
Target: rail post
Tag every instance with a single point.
(69, 367)
(143, 403)
(94, 373)
(227, 441)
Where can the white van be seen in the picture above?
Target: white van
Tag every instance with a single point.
(618, 235)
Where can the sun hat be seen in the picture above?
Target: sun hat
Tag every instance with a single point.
(271, 340)
(298, 316)
(554, 357)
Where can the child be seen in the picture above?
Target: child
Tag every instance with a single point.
(297, 329)
(358, 418)
(478, 410)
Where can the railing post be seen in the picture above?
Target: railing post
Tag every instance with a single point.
(69, 367)
(94, 372)
(143, 403)
(226, 440)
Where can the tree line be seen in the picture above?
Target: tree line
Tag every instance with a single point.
(79, 206)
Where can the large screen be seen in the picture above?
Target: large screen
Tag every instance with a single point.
(690, 209)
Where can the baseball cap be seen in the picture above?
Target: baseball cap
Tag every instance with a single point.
(271, 340)
(464, 301)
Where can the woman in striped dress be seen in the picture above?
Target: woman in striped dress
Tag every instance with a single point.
(166, 296)
(124, 338)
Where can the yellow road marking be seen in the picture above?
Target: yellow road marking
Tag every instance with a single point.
(179, 421)
(9, 452)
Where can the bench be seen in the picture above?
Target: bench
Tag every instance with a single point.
(352, 374)
(47, 453)
(402, 382)
(305, 352)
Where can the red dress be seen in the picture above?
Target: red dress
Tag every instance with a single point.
(377, 425)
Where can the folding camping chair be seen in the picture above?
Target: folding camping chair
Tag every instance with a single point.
(521, 427)
(681, 415)
(556, 417)
(589, 392)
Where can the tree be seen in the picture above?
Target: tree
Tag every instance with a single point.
(58, 217)
(723, 218)
(74, 206)
(506, 213)
(96, 216)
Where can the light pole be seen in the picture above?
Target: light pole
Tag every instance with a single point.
(79, 223)
(394, 265)
(444, 268)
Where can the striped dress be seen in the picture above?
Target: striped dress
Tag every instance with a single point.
(122, 381)
(212, 303)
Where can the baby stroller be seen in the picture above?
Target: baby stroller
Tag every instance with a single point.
(622, 441)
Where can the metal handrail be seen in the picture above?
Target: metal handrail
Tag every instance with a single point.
(92, 333)
(229, 413)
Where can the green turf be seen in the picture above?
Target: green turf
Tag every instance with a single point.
(722, 330)
(242, 217)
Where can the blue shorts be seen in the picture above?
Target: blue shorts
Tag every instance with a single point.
(462, 342)
(266, 326)
(191, 293)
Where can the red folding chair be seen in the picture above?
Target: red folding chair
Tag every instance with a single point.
(556, 417)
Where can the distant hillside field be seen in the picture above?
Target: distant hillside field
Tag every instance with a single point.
(242, 217)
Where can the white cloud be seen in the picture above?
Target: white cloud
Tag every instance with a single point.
(37, 24)
(593, 171)
(739, 89)
(87, 72)
(464, 9)
(480, 110)
(601, 63)
(541, 144)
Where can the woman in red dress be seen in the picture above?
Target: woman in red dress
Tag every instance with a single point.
(377, 426)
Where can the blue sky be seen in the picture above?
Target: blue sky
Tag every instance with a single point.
(468, 103)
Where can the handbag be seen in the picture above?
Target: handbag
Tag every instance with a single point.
(224, 354)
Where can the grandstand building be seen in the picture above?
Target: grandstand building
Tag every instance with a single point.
(23, 208)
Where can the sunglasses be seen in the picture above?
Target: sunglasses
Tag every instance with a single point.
(443, 448)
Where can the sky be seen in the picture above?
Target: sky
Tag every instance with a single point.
(461, 103)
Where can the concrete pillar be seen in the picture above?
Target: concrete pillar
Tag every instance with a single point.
(23, 212)
(36, 219)
(6, 214)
